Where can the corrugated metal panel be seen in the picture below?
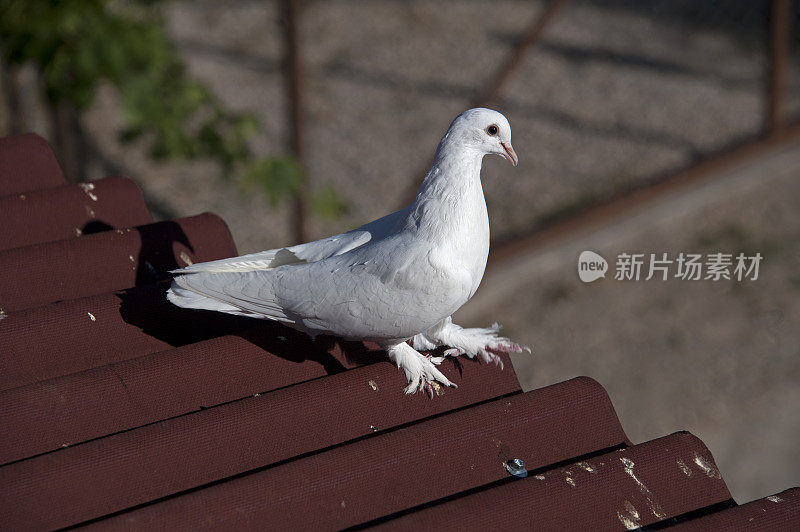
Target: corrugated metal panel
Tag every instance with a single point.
(122, 411)
(70, 336)
(127, 394)
(112, 260)
(133, 467)
(776, 512)
(65, 212)
(632, 487)
(390, 472)
(27, 163)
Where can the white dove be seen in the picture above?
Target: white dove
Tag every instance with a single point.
(394, 281)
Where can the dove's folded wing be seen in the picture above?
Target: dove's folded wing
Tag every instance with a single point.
(309, 252)
(385, 290)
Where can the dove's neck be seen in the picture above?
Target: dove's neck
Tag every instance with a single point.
(450, 207)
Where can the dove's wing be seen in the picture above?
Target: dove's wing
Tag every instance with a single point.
(309, 252)
(389, 289)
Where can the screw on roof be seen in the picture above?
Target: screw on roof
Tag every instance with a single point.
(516, 467)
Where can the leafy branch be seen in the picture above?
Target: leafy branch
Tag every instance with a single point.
(76, 44)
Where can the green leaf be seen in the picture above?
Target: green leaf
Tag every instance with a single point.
(78, 43)
(277, 177)
(328, 204)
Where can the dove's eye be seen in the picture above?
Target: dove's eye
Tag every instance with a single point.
(491, 130)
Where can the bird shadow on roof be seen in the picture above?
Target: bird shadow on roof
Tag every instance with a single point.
(147, 308)
(158, 253)
(95, 226)
(145, 305)
(333, 354)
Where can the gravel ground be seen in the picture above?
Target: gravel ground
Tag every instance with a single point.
(719, 359)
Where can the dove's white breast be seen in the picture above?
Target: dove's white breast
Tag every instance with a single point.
(451, 211)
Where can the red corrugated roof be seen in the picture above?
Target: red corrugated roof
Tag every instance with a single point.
(122, 411)
(27, 163)
(66, 211)
(635, 486)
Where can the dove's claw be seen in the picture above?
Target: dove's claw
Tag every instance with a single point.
(489, 357)
(435, 360)
(429, 389)
(510, 347)
(486, 343)
(412, 387)
(420, 370)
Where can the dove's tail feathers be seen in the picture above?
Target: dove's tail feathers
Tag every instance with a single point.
(195, 292)
(264, 260)
(183, 297)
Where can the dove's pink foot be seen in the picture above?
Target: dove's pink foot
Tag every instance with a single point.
(484, 354)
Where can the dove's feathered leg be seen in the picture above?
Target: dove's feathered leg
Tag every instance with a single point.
(420, 370)
(484, 343)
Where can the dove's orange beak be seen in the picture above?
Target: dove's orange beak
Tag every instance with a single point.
(510, 154)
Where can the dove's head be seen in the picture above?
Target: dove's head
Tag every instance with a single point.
(484, 130)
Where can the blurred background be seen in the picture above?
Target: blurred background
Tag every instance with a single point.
(642, 126)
